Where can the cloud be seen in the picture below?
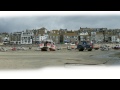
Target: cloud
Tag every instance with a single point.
(12, 24)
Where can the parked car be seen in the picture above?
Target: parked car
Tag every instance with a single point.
(71, 46)
(116, 47)
(84, 45)
(66, 43)
(72, 43)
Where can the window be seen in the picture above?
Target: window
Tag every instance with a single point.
(72, 36)
(28, 39)
(37, 37)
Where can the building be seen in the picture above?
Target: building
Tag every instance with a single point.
(1, 38)
(70, 37)
(39, 38)
(84, 34)
(61, 35)
(4, 38)
(15, 38)
(115, 37)
(40, 35)
(55, 36)
(26, 37)
(99, 37)
(92, 34)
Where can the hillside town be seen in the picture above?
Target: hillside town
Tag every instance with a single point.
(36, 36)
(85, 46)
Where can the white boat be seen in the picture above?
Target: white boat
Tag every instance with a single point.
(116, 47)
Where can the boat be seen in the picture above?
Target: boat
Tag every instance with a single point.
(117, 47)
(47, 45)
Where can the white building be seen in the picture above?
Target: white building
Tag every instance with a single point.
(6, 40)
(113, 39)
(39, 38)
(26, 37)
(118, 40)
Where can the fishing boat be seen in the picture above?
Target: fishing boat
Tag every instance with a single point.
(47, 45)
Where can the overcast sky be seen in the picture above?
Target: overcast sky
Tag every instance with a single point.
(13, 24)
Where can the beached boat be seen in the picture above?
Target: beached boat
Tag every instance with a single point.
(117, 47)
(47, 45)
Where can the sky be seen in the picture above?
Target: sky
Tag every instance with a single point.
(50, 22)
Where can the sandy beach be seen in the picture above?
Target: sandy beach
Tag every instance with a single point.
(31, 59)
